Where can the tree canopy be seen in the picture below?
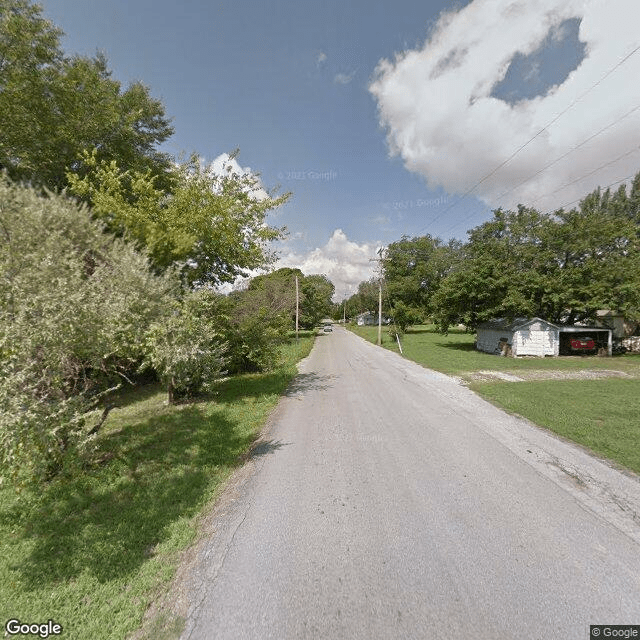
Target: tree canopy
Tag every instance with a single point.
(110, 252)
(75, 304)
(52, 107)
(562, 267)
(276, 291)
(213, 226)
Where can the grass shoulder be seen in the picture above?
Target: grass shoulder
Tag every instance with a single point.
(90, 550)
(602, 415)
(455, 354)
(559, 394)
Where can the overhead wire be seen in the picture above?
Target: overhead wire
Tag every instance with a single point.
(564, 155)
(586, 175)
(568, 204)
(562, 206)
(530, 140)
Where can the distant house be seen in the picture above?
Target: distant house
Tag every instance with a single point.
(366, 318)
(535, 337)
(615, 320)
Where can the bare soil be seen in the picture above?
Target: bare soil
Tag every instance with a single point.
(525, 375)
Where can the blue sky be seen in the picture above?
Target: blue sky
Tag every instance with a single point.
(371, 149)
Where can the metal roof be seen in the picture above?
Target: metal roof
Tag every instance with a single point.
(502, 324)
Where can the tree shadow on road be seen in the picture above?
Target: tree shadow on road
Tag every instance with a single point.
(308, 382)
(266, 447)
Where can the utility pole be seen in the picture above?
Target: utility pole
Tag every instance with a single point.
(379, 261)
(380, 311)
(297, 307)
(344, 307)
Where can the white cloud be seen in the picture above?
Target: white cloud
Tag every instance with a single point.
(344, 262)
(441, 118)
(344, 78)
(224, 165)
(321, 58)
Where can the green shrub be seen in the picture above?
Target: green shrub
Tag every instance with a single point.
(187, 349)
(74, 307)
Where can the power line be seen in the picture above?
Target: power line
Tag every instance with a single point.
(567, 204)
(523, 146)
(602, 166)
(564, 186)
(581, 144)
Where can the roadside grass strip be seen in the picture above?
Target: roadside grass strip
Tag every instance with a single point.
(90, 550)
(455, 354)
(590, 400)
(602, 415)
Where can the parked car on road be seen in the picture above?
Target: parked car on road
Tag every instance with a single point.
(327, 328)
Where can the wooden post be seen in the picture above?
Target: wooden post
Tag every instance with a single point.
(297, 307)
(380, 312)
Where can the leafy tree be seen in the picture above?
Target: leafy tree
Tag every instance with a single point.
(213, 226)
(275, 292)
(405, 315)
(53, 107)
(317, 291)
(247, 325)
(414, 268)
(561, 267)
(366, 299)
(74, 307)
(253, 336)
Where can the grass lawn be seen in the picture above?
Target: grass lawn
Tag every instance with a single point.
(90, 551)
(602, 415)
(455, 354)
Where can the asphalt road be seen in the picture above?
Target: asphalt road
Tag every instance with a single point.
(388, 501)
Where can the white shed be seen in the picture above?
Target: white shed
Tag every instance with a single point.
(520, 337)
(535, 337)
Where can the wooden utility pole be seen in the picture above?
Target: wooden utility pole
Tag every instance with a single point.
(380, 311)
(297, 307)
(379, 261)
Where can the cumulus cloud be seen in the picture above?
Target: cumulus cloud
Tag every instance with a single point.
(321, 58)
(224, 164)
(344, 262)
(441, 118)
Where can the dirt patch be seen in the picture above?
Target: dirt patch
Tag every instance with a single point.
(546, 374)
(493, 376)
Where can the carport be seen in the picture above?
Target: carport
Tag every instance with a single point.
(602, 337)
(537, 337)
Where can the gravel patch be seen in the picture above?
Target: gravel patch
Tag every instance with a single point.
(547, 374)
